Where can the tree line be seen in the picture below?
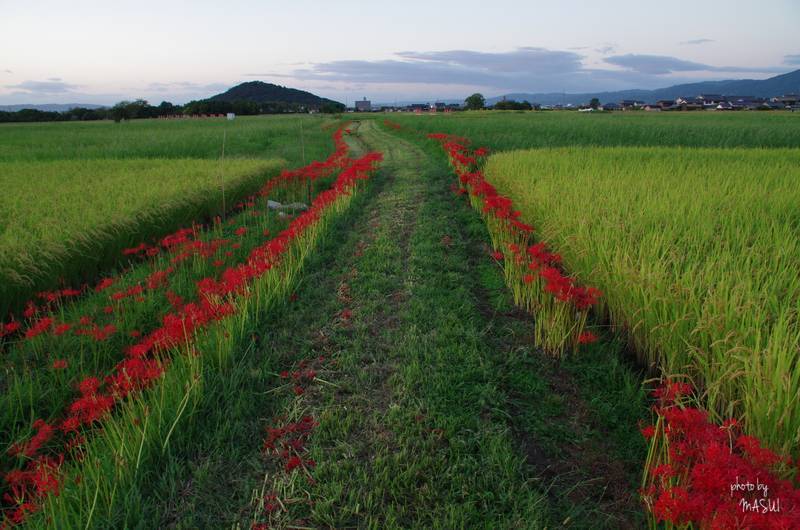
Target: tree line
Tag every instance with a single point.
(140, 108)
(477, 102)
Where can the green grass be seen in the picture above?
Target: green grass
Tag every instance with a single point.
(696, 252)
(78, 193)
(504, 130)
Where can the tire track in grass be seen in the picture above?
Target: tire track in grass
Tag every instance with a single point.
(404, 439)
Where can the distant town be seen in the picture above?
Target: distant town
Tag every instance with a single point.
(713, 102)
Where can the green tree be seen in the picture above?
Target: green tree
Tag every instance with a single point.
(475, 102)
(594, 103)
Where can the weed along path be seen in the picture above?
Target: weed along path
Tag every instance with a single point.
(398, 389)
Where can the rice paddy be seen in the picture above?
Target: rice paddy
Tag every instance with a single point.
(505, 320)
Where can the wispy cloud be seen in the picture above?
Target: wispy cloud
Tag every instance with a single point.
(52, 86)
(662, 64)
(606, 48)
(7, 71)
(792, 59)
(266, 74)
(185, 86)
(694, 42)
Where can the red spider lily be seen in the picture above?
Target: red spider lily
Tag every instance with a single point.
(241, 231)
(587, 337)
(136, 290)
(104, 284)
(158, 278)
(177, 238)
(134, 250)
(497, 255)
(698, 483)
(44, 432)
(30, 310)
(40, 326)
(293, 463)
(648, 431)
(60, 364)
(61, 329)
(9, 328)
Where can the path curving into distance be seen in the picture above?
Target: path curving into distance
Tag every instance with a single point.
(399, 389)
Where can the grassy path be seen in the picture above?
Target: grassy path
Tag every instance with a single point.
(430, 409)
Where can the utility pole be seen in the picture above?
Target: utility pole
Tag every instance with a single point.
(303, 155)
(222, 172)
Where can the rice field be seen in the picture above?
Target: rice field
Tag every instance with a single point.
(506, 130)
(82, 192)
(481, 320)
(697, 255)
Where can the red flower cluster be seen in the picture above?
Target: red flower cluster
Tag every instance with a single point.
(141, 365)
(713, 476)
(28, 486)
(392, 125)
(289, 441)
(530, 272)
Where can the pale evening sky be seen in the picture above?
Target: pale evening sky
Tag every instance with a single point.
(104, 51)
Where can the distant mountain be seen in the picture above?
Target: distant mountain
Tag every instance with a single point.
(49, 107)
(261, 92)
(774, 86)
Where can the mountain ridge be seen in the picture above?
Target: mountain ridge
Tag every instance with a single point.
(262, 92)
(774, 86)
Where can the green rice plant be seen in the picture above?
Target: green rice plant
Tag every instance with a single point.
(276, 136)
(697, 255)
(502, 131)
(65, 221)
(85, 181)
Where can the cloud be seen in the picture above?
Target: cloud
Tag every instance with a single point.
(696, 42)
(793, 59)
(52, 86)
(184, 89)
(606, 48)
(7, 71)
(539, 60)
(662, 64)
(266, 74)
(518, 68)
(525, 69)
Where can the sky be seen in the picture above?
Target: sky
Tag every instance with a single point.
(106, 51)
